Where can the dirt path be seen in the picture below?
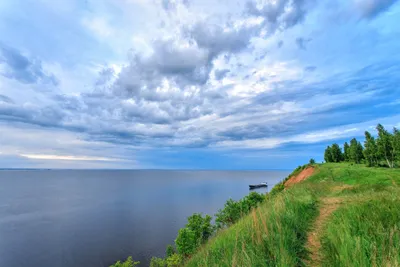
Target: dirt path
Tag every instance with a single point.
(313, 245)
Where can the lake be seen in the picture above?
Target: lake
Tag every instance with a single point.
(95, 217)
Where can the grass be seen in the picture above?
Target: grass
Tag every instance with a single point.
(363, 231)
(272, 235)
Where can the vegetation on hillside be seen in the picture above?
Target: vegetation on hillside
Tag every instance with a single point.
(128, 263)
(363, 231)
(199, 229)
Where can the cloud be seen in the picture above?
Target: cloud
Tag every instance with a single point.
(310, 68)
(372, 8)
(6, 99)
(336, 133)
(43, 116)
(220, 74)
(217, 39)
(214, 75)
(280, 14)
(25, 70)
(67, 157)
(98, 26)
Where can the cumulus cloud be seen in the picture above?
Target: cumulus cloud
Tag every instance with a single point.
(217, 39)
(280, 14)
(217, 77)
(22, 68)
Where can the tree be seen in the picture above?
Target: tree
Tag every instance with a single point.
(356, 151)
(186, 242)
(128, 263)
(346, 154)
(169, 251)
(336, 152)
(174, 260)
(328, 154)
(234, 210)
(157, 262)
(385, 145)
(360, 151)
(201, 227)
(371, 150)
(197, 231)
(312, 161)
(229, 214)
(396, 143)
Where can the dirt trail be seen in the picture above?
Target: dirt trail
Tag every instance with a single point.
(313, 245)
(304, 174)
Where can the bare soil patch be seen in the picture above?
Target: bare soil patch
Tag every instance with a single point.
(304, 174)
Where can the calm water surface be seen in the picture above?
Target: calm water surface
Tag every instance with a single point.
(93, 218)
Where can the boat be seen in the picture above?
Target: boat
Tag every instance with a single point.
(253, 186)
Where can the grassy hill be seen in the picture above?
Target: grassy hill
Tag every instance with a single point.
(343, 215)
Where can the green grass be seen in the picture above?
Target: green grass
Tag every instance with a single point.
(363, 231)
(353, 174)
(272, 235)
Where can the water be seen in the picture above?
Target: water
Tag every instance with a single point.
(93, 218)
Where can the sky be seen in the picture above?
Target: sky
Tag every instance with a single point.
(193, 84)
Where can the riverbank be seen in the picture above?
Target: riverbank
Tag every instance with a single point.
(342, 215)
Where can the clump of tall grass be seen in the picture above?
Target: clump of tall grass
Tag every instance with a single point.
(364, 233)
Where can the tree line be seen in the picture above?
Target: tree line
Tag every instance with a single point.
(384, 150)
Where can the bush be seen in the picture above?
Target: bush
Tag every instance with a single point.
(277, 188)
(312, 161)
(169, 251)
(157, 262)
(234, 210)
(174, 260)
(201, 227)
(186, 242)
(128, 263)
(229, 214)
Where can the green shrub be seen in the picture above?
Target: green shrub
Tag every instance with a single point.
(201, 227)
(234, 210)
(229, 214)
(128, 263)
(169, 251)
(277, 188)
(157, 262)
(312, 161)
(174, 260)
(186, 242)
(252, 200)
